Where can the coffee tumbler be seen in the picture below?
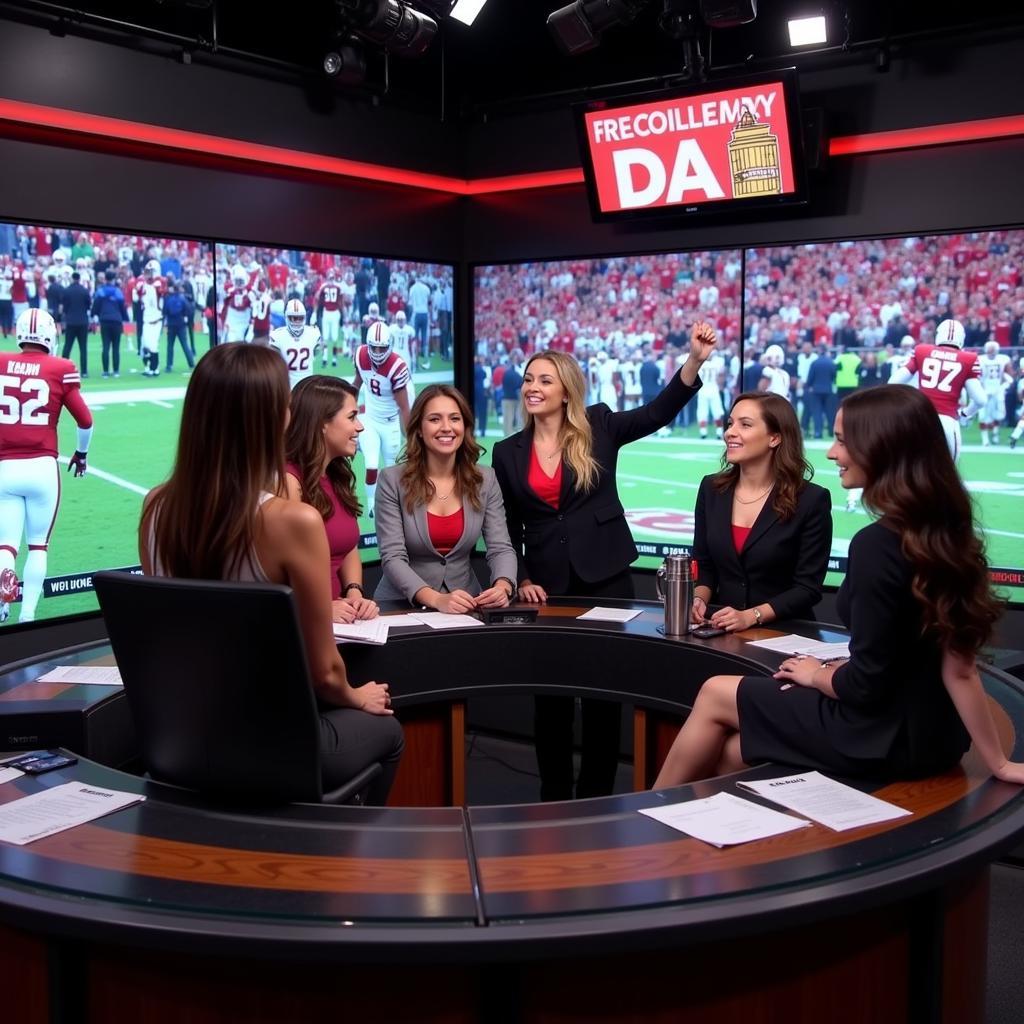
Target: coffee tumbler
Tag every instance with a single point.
(674, 582)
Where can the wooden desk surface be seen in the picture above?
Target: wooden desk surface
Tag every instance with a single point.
(452, 882)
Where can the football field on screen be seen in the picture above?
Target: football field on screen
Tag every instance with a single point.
(135, 436)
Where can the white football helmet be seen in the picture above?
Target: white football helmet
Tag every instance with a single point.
(239, 278)
(774, 356)
(152, 269)
(991, 348)
(400, 318)
(908, 341)
(36, 327)
(378, 342)
(295, 317)
(950, 332)
(373, 311)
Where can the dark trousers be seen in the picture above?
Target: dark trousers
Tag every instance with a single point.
(817, 411)
(79, 333)
(6, 316)
(179, 332)
(553, 723)
(110, 333)
(480, 403)
(351, 740)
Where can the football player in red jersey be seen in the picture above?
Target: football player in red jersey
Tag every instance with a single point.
(945, 372)
(34, 386)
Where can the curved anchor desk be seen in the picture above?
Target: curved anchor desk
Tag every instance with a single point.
(582, 911)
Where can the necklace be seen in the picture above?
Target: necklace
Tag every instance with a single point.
(750, 501)
(553, 455)
(442, 497)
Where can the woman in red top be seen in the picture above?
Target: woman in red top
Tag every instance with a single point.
(321, 440)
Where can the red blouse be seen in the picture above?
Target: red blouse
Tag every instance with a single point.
(445, 531)
(740, 535)
(547, 488)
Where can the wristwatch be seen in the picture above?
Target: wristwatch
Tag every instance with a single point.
(513, 589)
(757, 616)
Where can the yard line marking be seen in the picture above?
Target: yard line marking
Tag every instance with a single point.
(165, 405)
(129, 395)
(110, 478)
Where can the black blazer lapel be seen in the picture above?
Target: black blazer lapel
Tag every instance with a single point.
(765, 520)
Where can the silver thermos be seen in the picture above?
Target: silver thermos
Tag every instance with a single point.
(674, 582)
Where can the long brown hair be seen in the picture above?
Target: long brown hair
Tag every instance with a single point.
(468, 478)
(893, 434)
(315, 401)
(789, 465)
(575, 437)
(230, 451)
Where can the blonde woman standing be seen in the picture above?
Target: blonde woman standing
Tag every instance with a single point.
(569, 530)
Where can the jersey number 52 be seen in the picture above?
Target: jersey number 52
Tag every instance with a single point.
(32, 409)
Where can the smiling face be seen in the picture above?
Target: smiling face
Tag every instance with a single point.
(342, 430)
(443, 427)
(747, 437)
(850, 474)
(542, 388)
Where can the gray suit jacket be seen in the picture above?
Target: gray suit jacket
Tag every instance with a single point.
(410, 561)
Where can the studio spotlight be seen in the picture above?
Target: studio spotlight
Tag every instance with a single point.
(346, 63)
(392, 24)
(577, 27)
(807, 31)
(467, 10)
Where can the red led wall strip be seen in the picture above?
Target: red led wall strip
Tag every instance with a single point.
(110, 132)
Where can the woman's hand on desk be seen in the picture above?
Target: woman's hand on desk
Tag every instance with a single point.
(342, 611)
(732, 619)
(698, 611)
(373, 698)
(532, 592)
(362, 607)
(493, 597)
(1011, 771)
(458, 602)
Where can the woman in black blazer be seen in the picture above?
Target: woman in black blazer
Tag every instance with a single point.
(762, 532)
(919, 606)
(569, 529)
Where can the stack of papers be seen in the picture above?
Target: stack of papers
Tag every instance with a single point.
(364, 631)
(407, 619)
(439, 620)
(94, 675)
(54, 810)
(611, 614)
(9, 774)
(793, 644)
(724, 819)
(826, 801)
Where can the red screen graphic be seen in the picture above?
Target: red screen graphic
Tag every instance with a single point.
(684, 151)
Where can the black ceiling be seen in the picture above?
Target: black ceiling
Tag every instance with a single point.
(508, 59)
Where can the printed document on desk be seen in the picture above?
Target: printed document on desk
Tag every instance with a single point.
(724, 819)
(830, 803)
(93, 675)
(363, 631)
(9, 774)
(441, 620)
(793, 644)
(54, 810)
(611, 614)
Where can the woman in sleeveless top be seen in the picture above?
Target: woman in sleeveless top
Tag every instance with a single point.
(320, 442)
(220, 517)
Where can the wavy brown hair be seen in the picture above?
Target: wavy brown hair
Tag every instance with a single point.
(575, 435)
(230, 452)
(789, 465)
(418, 488)
(315, 401)
(893, 433)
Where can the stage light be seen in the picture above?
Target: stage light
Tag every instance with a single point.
(392, 24)
(577, 27)
(345, 62)
(467, 10)
(807, 31)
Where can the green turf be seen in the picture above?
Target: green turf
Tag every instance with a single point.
(658, 478)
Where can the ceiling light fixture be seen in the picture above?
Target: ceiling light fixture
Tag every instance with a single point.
(467, 10)
(577, 27)
(807, 31)
(391, 24)
(345, 62)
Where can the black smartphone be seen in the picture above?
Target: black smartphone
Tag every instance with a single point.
(707, 632)
(39, 761)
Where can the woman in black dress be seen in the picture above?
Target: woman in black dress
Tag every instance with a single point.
(557, 476)
(918, 605)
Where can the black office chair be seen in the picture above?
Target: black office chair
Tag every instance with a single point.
(218, 684)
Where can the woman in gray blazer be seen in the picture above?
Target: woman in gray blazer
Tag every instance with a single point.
(434, 505)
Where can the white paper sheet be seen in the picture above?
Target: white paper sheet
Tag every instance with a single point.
(438, 620)
(724, 819)
(406, 619)
(793, 644)
(611, 614)
(832, 804)
(54, 810)
(9, 775)
(363, 631)
(94, 675)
